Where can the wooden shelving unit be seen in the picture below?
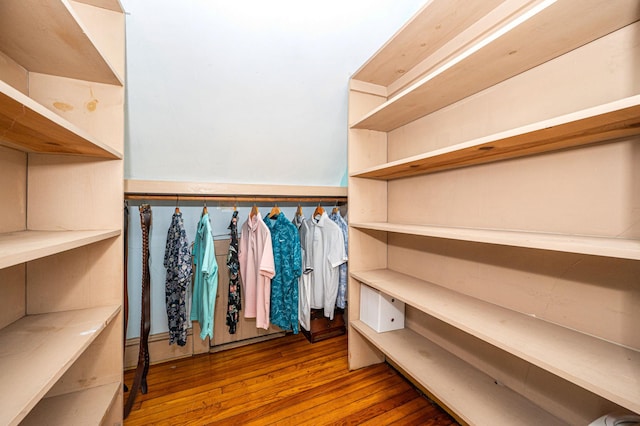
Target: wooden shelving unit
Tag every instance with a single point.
(599, 366)
(455, 143)
(597, 246)
(481, 400)
(61, 173)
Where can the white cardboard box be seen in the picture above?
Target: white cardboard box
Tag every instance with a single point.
(380, 311)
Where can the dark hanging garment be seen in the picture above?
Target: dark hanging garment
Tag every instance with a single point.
(234, 304)
(140, 379)
(177, 261)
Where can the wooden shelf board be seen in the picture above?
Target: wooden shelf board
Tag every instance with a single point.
(86, 407)
(605, 122)
(471, 394)
(46, 37)
(385, 66)
(597, 246)
(558, 30)
(23, 246)
(28, 126)
(36, 350)
(604, 368)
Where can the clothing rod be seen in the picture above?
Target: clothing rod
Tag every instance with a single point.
(240, 199)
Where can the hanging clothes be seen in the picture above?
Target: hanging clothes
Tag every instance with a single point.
(177, 262)
(257, 268)
(234, 304)
(205, 283)
(342, 269)
(328, 255)
(287, 258)
(304, 282)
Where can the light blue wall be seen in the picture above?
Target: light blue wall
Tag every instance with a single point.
(246, 91)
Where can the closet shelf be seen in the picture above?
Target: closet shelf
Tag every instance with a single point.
(597, 246)
(36, 350)
(509, 49)
(604, 368)
(49, 38)
(81, 408)
(139, 189)
(386, 67)
(605, 122)
(23, 246)
(28, 126)
(471, 394)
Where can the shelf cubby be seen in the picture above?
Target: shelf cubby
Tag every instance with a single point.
(497, 54)
(592, 245)
(38, 349)
(607, 122)
(24, 246)
(474, 396)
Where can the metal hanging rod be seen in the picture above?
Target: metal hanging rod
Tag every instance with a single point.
(238, 199)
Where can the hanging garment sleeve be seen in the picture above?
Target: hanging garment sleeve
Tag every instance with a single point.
(140, 380)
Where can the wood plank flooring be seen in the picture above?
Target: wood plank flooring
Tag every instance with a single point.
(285, 381)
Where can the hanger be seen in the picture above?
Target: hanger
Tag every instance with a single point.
(235, 207)
(254, 211)
(318, 211)
(177, 200)
(275, 211)
(204, 209)
(335, 208)
(299, 210)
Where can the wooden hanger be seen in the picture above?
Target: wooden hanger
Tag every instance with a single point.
(177, 208)
(335, 210)
(299, 210)
(254, 211)
(318, 211)
(275, 211)
(204, 209)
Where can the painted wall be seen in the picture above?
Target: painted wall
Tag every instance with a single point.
(241, 92)
(247, 91)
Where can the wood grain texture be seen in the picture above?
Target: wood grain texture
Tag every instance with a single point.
(281, 381)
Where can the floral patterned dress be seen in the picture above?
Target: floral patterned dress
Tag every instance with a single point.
(235, 301)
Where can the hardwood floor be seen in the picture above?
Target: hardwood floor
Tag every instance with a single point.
(286, 381)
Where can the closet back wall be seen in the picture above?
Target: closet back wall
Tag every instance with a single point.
(239, 92)
(247, 91)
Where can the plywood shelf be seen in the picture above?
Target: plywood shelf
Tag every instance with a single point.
(471, 394)
(28, 126)
(24, 246)
(48, 38)
(597, 246)
(605, 122)
(604, 368)
(81, 408)
(505, 51)
(36, 350)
